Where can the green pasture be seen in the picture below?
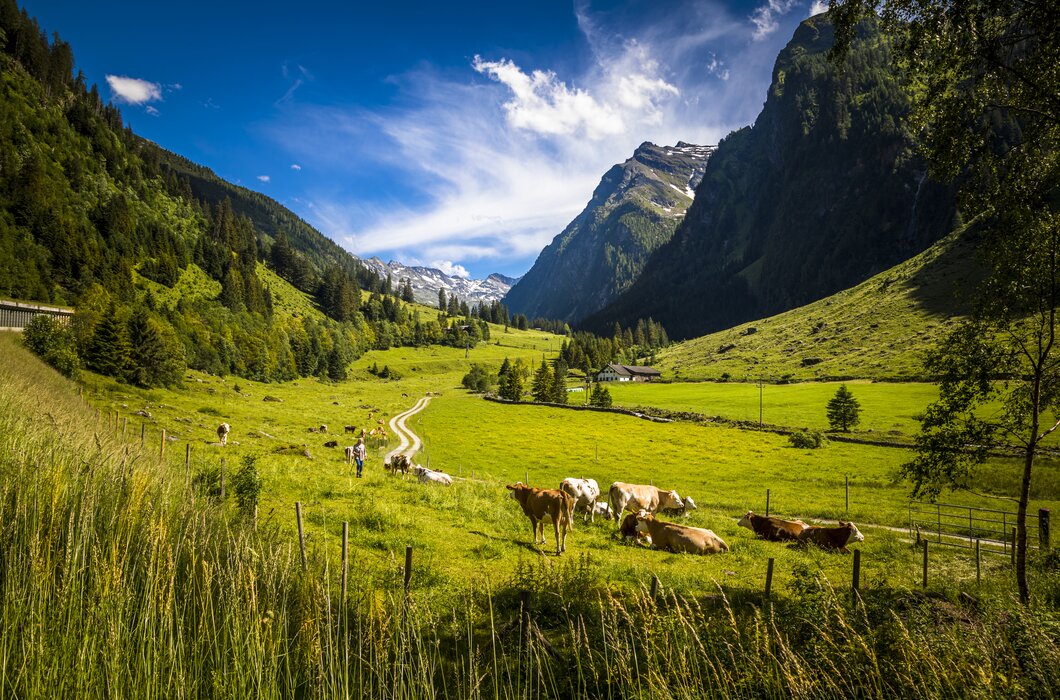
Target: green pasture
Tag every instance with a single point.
(887, 409)
(473, 530)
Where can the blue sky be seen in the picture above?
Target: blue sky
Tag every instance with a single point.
(462, 135)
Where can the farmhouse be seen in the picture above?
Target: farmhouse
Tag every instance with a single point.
(627, 373)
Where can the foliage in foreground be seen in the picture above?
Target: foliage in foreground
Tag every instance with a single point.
(119, 580)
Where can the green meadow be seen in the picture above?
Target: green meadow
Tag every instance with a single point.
(473, 531)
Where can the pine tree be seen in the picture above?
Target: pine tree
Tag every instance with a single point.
(542, 388)
(601, 396)
(157, 357)
(559, 382)
(108, 353)
(442, 301)
(512, 386)
(843, 410)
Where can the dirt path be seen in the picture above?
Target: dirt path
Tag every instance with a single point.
(409, 442)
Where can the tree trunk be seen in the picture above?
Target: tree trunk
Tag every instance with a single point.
(1021, 524)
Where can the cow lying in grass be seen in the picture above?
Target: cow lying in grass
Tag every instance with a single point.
(430, 476)
(772, 528)
(679, 538)
(836, 537)
(544, 505)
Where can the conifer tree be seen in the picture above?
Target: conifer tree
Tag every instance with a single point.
(542, 388)
(559, 382)
(108, 353)
(843, 410)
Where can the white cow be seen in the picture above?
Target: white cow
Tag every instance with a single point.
(222, 433)
(635, 497)
(430, 476)
(584, 492)
(602, 509)
(689, 505)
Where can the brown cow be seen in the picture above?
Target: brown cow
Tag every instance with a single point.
(545, 504)
(636, 497)
(832, 537)
(772, 528)
(679, 538)
(398, 463)
(628, 530)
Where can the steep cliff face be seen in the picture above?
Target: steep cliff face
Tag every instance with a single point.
(633, 211)
(822, 192)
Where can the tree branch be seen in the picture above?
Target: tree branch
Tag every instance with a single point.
(1046, 433)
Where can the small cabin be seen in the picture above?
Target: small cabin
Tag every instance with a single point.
(627, 373)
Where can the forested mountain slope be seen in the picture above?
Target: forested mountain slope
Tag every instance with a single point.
(635, 209)
(822, 192)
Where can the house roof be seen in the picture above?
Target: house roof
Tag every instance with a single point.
(632, 370)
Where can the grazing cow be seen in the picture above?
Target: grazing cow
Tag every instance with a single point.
(584, 492)
(689, 505)
(350, 429)
(331, 443)
(634, 497)
(771, 527)
(679, 538)
(430, 476)
(314, 430)
(350, 452)
(324, 429)
(542, 505)
(222, 433)
(398, 463)
(832, 537)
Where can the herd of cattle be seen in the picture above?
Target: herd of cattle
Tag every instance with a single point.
(643, 502)
(639, 502)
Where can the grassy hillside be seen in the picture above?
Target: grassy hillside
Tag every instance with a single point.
(878, 329)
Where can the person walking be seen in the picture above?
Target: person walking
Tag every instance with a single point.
(360, 453)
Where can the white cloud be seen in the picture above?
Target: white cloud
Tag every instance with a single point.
(817, 7)
(485, 166)
(765, 17)
(134, 91)
(152, 111)
(295, 166)
(450, 268)
(264, 178)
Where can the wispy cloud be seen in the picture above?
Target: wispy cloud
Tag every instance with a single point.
(153, 111)
(264, 178)
(817, 7)
(300, 75)
(494, 160)
(765, 17)
(133, 91)
(295, 166)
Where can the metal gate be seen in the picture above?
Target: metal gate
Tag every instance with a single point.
(961, 526)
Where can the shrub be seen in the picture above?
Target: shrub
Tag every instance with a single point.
(246, 485)
(805, 439)
(478, 379)
(53, 343)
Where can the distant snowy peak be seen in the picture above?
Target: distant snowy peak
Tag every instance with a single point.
(426, 281)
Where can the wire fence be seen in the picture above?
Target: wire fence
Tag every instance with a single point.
(961, 526)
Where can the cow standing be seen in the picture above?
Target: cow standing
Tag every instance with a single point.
(541, 505)
(584, 492)
(222, 433)
(637, 497)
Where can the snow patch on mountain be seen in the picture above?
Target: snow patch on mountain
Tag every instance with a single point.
(426, 281)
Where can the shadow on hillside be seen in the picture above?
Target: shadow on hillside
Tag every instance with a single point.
(945, 286)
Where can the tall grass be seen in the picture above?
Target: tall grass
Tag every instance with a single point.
(118, 581)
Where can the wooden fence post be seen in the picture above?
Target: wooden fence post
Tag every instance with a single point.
(857, 574)
(345, 550)
(769, 578)
(1013, 547)
(654, 586)
(222, 479)
(925, 563)
(408, 568)
(527, 482)
(301, 534)
(767, 503)
(143, 434)
(162, 444)
(978, 564)
(1043, 528)
(187, 462)
(124, 428)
